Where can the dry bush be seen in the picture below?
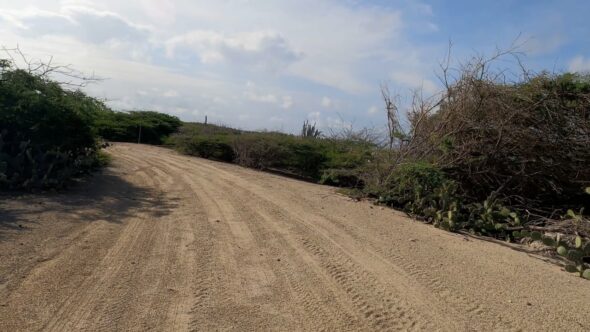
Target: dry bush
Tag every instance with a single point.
(525, 140)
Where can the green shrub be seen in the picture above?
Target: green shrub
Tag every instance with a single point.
(527, 140)
(348, 178)
(212, 148)
(262, 151)
(493, 157)
(144, 126)
(46, 132)
(314, 158)
(410, 182)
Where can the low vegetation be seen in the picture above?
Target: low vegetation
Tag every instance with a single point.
(487, 155)
(138, 126)
(330, 161)
(500, 158)
(50, 134)
(46, 132)
(490, 156)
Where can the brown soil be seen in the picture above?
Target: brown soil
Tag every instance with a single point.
(166, 242)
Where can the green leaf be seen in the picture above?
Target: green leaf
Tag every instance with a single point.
(586, 274)
(561, 250)
(571, 214)
(575, 255)
(548, 241)
(504, 212)
(571, 268)
(578, 242)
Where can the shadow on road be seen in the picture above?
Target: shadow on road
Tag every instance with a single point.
(104, 196)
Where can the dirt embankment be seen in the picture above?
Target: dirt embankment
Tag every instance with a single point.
(161, 241)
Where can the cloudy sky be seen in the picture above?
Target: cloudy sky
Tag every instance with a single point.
(273, 63)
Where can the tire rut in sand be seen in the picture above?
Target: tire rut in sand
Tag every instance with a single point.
(461, 305)
(303, 294)
(357, 283)
(76, 310)
(190, 244)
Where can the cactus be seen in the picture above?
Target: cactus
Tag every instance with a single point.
(578, 242)
(575, 255)
(548, 241)
(515, 217)
(504, 212)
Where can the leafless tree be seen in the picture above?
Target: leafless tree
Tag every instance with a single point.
(64, 75)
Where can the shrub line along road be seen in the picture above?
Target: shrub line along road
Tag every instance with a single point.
(166, 242)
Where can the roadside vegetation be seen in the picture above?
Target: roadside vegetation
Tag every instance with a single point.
(51, 132)
(326, 160)
(138, 126)
(492, 154)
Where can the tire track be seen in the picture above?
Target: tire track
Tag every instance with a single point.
(185, 244)
(387, 314)
(460, 305)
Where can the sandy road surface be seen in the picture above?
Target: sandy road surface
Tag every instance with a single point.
(166, 242)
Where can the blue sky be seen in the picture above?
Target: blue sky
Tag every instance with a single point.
(272, 64)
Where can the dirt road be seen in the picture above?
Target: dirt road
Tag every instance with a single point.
(166, 242)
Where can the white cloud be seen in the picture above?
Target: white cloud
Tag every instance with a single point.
(327, 102)
(287, 102)
(414, 80)
(284, 102)
(198, 55)
(373, 110)
(260, 49)
(170, 94)
(331, 103)
(314, 116)
(542, 44)
(83, 23)
(579, 64)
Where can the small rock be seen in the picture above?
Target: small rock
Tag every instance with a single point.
(278, 259)
(217, 220)
(529, 304)
(412, 240)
